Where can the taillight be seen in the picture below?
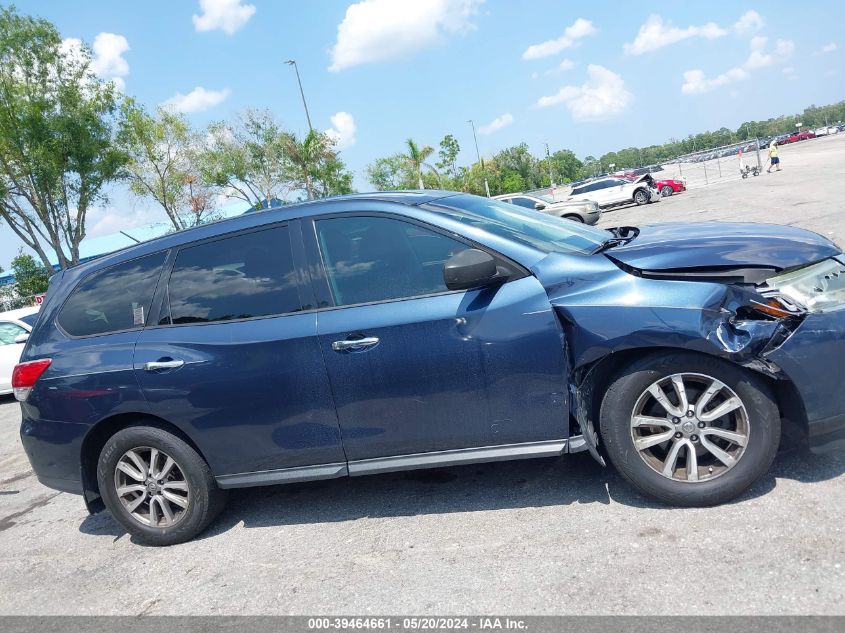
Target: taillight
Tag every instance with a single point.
(25, 375)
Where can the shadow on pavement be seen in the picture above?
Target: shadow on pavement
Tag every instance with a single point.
(495, 486)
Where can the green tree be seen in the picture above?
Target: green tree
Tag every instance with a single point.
(306, 158)
(58, 124)
(247, 159)
(31, 278)
(416, 158)
(162, 152)
(448, 154)
(390, 173)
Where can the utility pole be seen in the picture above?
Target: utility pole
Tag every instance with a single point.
(480, 160)
(551, 177)
(292, 62)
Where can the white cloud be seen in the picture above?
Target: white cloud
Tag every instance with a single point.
(196, 100)
(108, 220)
(748, 22)
(602, 96)
(496, 124)
(827, 48)
(343, 130)
(696, 82)
(566, 64)
(225, 15)
(789, 73)
(379, 30)
(655, 34)
(576, 31)
(107, 61)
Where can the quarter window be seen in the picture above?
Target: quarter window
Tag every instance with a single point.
(239, 277)
(9, 332)
(113, 299)
(377, 259)
(526, 203)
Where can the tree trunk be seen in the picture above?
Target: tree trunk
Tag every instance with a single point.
(419, 177)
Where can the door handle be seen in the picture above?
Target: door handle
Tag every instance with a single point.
(163, 364)
(354, 344)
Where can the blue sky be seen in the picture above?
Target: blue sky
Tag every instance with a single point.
(590, 77)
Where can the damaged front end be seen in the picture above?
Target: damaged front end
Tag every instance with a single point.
(760, 318)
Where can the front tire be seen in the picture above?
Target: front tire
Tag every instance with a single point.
(574, 218)
(641, 196)
(157, 486)
(666, 191)
(689, 430)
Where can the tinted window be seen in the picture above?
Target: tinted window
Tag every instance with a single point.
(238, 277)
(113, 299)
(9, 331)
(524, 202)
(29, 319)
(376, 259)
(578, 191)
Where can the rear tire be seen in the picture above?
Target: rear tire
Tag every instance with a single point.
(157, 486)
(574, 218)
(632, 420)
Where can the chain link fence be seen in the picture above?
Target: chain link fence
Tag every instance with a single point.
(718, 164)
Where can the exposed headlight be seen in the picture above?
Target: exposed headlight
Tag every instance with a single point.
(814, 288)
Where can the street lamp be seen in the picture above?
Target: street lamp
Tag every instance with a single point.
(480, 160)
(292, 62)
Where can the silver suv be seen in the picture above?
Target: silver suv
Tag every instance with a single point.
(585, 211)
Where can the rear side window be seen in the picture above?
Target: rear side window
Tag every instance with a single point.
(239, 277)
(9, 331)
(113, 299)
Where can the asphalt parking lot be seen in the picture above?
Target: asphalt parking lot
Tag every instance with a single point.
(551, 536)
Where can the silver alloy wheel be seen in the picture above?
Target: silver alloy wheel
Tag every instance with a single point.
(691, 414)
(640, 197)
(151, 486)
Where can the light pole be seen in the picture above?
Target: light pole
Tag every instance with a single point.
(551, 177)
(480, 160)
(292, 62)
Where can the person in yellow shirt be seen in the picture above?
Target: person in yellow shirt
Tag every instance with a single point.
(774, 159)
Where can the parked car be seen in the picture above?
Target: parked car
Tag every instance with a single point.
(668, 186)
(585, 211)
(798, 136)
(15, 326)
(610, 192)
(398, 330)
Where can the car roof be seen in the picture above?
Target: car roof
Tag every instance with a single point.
(15, 315)
(255, 219)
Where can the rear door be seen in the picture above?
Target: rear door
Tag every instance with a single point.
(417, 368)
(234, 359)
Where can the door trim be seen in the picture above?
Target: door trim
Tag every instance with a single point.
(457, 457)
(282, 476)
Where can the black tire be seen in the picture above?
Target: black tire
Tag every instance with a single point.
(205, 499)
(574, 218)
(630, 385)
(641, 197)
(666, 191)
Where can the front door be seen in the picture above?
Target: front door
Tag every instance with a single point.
(416, 368)
(235, 361)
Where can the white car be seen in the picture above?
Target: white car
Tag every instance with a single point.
(609, 192)
(15, 327)
(585, 211)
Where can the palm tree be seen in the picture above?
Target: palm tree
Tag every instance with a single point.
(416, 158)
(306, 156)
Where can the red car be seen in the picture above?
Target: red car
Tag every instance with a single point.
(669, 186)
(798, 136)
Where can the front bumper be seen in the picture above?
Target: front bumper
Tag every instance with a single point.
(813, 358)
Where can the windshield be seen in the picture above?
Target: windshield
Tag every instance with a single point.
(545, 198)
(544, 232)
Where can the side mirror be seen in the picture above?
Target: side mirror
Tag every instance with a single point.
(22, 338)
(539, 206)
(471, 268)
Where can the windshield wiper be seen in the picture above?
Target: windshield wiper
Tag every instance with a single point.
(610, 243)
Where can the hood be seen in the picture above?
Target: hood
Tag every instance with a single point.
(722, 246)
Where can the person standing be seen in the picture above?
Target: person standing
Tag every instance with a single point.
(774, 159)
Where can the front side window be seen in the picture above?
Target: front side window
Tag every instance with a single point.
(371, 258)
(113, 299)
(9, 332)
(239, 277)
(526, 203)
